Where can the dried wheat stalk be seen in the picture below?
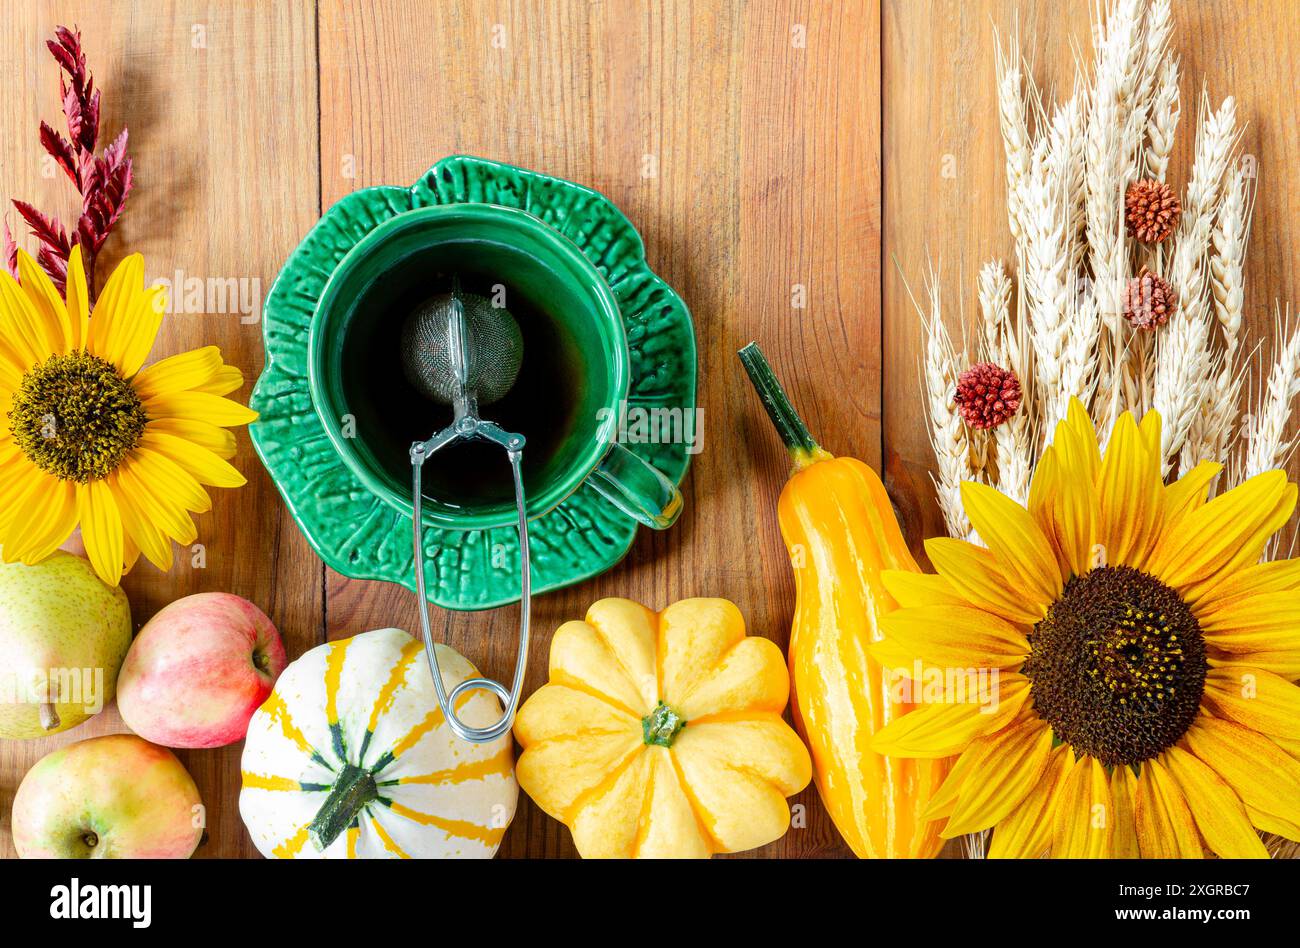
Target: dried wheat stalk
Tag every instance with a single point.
(1183, 356)
(1162, 121)
(948, 435)
(1014, 122)
(1211, 432)
(1265, 430)
(1013, 441)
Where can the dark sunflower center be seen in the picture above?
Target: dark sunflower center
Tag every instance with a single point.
(1117, 666)
(75, 417)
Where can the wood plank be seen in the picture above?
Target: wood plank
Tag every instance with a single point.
(767, 176)
(221, 103)
(941, 112)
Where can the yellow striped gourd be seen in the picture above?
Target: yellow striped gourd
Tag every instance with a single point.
(350, 757)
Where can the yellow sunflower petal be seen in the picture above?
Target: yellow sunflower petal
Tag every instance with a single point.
(101, 530)
(967, 765)
(941, 730)
(228, 379)
(1219, 814)
(951, 636)
(1077, 434)
(1273, 576)
(16, 476)
(178, 373)
(1264, 623)
(36, 536)
(147, 538)
(976, 575)
(1165, 828)
(143, 329)
(78, 299)
(109, 329)
(1123, 786)
(158, 507)
(1026, 832)
(1007, 766)
(1131, 496)
(1150, 432)
(919, 589)
(21, 483)
(220, 441)
(205, 466)
(130, 553)
(1188, 493)
(201, 406)
(1285, 663)
(1224, 535)
(1264, 776)
(25, 336)
(11, 376)
(170, 480)
(1084, 821)
(1073, 509)
(1254, 698)
(1043, 487)
(47, 302)
(1011, 533)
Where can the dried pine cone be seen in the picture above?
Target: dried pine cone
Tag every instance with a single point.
(1148, 301)
(1151, 211)
(987, 395)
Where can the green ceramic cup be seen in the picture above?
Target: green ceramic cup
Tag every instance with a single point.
(548, 270)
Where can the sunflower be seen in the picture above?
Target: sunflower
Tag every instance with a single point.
(90, 436)
(1145, 656)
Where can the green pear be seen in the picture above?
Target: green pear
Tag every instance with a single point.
(63, 636)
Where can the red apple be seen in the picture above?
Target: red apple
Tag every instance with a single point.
(113, 797)
(198, 670)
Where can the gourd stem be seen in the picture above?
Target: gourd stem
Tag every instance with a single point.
(354, 788)
(794, 433)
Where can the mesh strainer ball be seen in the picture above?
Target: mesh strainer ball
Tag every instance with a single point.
(494, 353)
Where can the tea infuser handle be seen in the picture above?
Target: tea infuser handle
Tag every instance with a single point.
(514, 444)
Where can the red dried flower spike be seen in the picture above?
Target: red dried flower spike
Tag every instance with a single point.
(987, 395)
(103, 181)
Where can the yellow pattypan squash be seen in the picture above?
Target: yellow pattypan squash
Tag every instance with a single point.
(660, 734)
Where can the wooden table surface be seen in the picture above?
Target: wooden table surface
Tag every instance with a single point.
(763, 121)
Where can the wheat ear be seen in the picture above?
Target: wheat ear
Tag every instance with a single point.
(1212, 429)
(1014, 122)
(1265, 435)
(948, 435)
(1183, 358)
(1162, 120)
(1013, 439)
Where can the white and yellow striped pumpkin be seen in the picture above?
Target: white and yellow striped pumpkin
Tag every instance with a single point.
(351, 757)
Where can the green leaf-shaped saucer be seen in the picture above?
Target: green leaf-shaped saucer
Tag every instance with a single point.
(359, 535)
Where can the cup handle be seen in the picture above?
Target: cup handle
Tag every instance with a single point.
(637, 488)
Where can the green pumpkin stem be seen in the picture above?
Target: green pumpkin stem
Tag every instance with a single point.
(661, 726)
(354, 788)
(794, 433)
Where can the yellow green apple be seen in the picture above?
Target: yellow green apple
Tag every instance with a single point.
(63, 635)
(112, 797)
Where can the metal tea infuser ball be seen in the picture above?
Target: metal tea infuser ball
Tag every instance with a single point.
(461, 350)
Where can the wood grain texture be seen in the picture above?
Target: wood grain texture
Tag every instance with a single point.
(940, 111)
(763, 121)
(761, 124)
(220, 100)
